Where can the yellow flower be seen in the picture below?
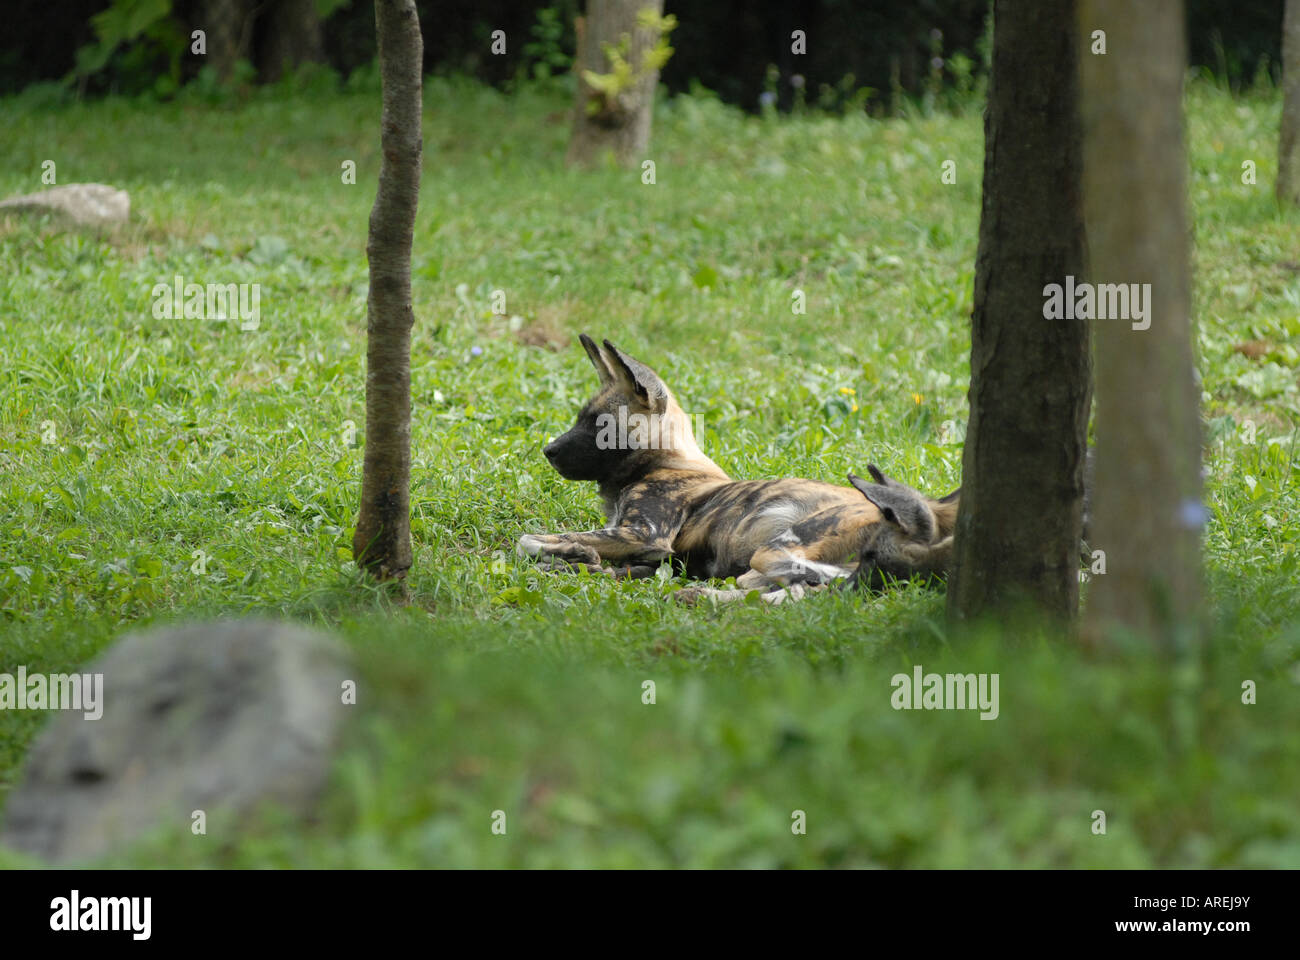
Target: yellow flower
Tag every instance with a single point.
(855, 409)
(848, 391)
(916, 397)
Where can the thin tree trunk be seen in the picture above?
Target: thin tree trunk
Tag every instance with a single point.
(1017, 536)
(1148, 510)
(624, 126)
(382, 542)
(1288, 154)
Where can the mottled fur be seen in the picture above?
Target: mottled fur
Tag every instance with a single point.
(777, 536)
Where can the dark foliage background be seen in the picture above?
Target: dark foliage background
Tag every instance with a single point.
(725, 45)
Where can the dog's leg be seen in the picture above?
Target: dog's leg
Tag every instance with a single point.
(625, 572)
(690, 596)
(623, 546)
(785, 566)
(754, 580)
(746, 584)
(790, 594)
(693, 595)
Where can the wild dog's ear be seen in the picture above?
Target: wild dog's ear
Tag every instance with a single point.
(597, 361)
(637, 379)
(880, 495)
(887, 481)
(952, 496)
(899, 506)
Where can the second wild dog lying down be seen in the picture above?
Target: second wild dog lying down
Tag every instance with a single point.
(665, 499)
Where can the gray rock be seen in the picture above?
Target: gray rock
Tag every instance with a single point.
(215, 717)
(86, 204)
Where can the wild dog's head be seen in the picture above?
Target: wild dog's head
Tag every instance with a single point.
(904, 543)
(630, 425)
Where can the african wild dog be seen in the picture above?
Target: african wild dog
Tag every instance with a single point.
(668, 500)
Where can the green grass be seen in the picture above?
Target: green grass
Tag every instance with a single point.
(499, 687)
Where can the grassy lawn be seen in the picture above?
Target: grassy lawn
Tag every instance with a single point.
(502, 688)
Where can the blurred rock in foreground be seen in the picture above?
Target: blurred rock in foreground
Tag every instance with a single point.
(211, 717)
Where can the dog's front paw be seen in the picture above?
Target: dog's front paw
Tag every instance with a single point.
(787, 594)
(690, 596)
(529, 545)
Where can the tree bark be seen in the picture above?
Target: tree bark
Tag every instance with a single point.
(1148, 510)
(382, 541)
(293, 36)
(624, 127)
(1017, 537)
(1288, 153)
(227, 27)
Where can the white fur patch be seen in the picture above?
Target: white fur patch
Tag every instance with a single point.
(529, 545)
(782, 516)
(826, 572)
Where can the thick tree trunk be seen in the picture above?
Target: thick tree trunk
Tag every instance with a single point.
(1288, 153)
(624, 126)
(293, 36)
(1148, 510)
(1017, 537)
(382, 542)
(227, 27)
